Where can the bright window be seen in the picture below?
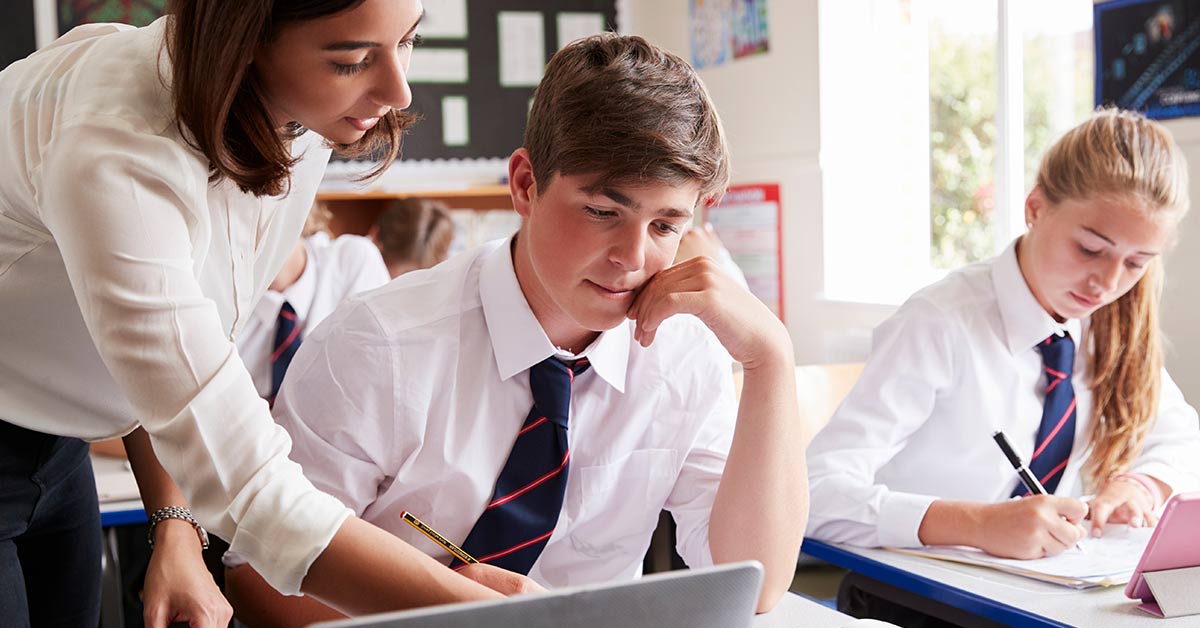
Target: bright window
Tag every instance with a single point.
(933, 116)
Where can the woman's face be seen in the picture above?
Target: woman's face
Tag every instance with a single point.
(1080, 255)
(338, 74)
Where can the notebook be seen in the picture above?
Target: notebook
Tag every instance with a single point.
(724, 596)
(1103, 562)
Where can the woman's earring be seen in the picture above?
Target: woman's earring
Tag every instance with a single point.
(1029, 225)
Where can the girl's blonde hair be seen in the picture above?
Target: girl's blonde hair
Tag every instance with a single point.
(1121, 155)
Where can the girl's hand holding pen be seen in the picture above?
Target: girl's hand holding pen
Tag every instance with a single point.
(1032, 527)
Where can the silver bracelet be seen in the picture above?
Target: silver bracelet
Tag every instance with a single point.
(176, 512)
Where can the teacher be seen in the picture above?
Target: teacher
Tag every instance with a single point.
(152, 182)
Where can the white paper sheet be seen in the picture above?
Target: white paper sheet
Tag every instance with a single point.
(438, 65)
(572, 26)
(444, 19)
(455, 130)
(522, 40)
(1105, 561)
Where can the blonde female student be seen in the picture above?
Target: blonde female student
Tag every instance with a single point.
(152, 181)
(1056, 342)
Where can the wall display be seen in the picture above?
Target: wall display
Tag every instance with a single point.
(724, 30)
(490, 54)
(749, 221)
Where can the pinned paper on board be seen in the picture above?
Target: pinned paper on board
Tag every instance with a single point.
(438, 65)
(522, 40)
(574, 25)
(444, 19)
(455, 129)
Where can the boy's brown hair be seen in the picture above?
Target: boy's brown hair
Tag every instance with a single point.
(623, 108)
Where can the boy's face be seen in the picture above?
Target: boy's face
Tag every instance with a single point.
(583, 255)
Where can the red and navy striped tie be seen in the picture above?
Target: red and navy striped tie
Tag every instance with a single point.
(520, 517)
(1056, 434)
(287, 340)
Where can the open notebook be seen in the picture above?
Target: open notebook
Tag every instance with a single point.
(1104, 562)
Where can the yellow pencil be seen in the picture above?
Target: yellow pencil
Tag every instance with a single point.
(454, 550)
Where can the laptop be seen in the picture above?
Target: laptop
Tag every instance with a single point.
(723, 596)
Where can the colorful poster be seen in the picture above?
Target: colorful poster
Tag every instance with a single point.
(725, 30)
(72, 13)
(749, 221)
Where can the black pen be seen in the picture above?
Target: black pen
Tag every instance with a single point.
(1027, 478)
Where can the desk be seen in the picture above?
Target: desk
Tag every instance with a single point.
(1001, 597)
(794, 611)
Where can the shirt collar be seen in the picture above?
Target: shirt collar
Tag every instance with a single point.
(1026, 322)
(518, 340)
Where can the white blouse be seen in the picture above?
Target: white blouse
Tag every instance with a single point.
(953, 365)
(124, 276)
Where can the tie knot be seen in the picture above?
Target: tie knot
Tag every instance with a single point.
(550, 382)
(1058, 353)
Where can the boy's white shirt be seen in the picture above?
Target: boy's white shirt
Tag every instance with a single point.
(410, 397)
(335, 269)
(954, 364)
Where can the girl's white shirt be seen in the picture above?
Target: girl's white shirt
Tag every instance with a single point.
(954, 364)
(125, 275)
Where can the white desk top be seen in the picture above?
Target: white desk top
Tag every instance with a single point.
(794, 611)
(1094, 608)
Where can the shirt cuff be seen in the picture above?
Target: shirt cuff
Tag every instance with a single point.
(1178, 481)
(900, 518)
(281, 535)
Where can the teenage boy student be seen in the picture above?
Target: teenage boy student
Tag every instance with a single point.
(417, 396)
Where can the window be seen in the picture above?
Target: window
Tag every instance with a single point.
(934, 114)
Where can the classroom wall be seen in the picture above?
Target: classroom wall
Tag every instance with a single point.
(1181, 294)
(777, 138)
(769, 104)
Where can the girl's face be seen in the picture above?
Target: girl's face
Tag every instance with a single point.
(338, 74)
(1080, 255)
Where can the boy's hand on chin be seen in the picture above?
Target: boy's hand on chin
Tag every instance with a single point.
(748, 330)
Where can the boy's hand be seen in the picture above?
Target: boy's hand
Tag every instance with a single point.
(1122, 501)
(749, 331)
(500, 580)
(1032, 527)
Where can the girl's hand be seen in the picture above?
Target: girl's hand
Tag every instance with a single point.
(1032, 527)
(178, 585)
(1122, 501)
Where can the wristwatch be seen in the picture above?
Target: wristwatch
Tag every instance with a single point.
(175, 512)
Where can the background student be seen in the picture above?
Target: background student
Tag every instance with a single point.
(152, 181)
(413, 233)
(1056, 341)
(319, 273)
(417, 396)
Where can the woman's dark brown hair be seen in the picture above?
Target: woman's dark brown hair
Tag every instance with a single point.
(218, 100)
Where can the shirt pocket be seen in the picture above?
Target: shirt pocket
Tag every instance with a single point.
(17, 239)
(621, 502)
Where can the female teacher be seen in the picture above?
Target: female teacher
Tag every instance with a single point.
(152, 181)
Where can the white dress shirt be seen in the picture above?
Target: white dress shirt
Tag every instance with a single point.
(410, 397)
(334, 269)
(124, 274)
(953, 365)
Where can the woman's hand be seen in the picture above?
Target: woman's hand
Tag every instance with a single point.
(1122, 500)
(178, 586)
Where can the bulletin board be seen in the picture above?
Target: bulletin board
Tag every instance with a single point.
(474, 75)
(17, 35)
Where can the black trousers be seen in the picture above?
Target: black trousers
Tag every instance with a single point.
(49, 531)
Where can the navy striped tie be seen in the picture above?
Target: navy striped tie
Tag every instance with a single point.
(1056, 434)
(520, 517)
(287, 340)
